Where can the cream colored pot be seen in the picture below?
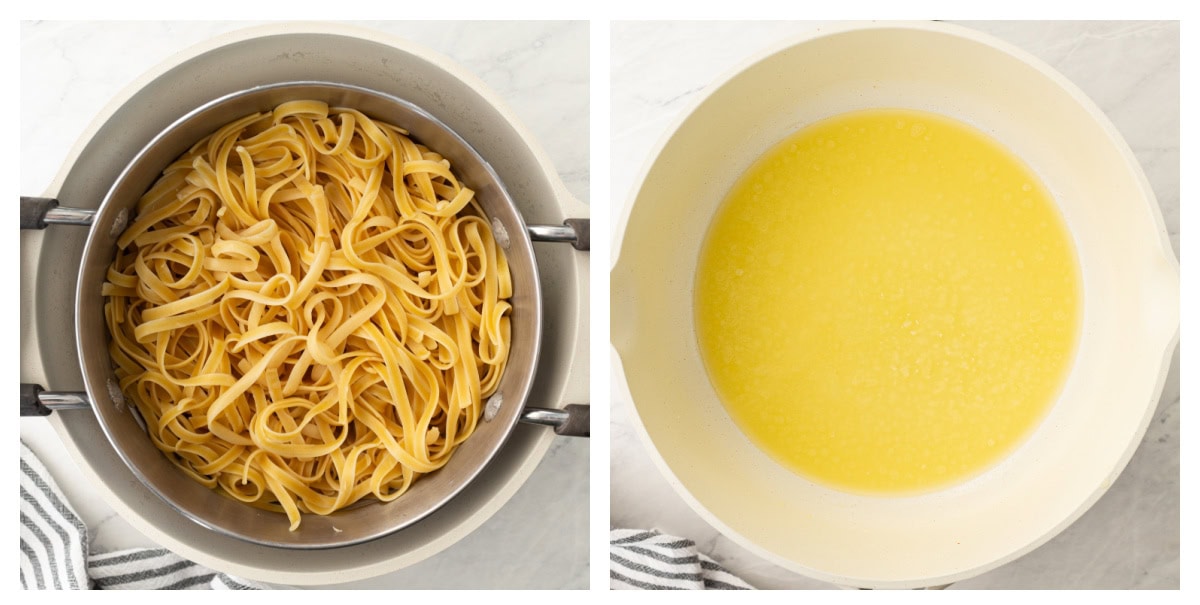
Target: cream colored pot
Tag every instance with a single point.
(1131, 307)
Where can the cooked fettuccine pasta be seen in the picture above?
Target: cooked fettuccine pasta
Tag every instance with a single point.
(308, 310)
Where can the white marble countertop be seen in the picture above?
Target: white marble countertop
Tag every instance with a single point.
(1130, 538)
(69, 71)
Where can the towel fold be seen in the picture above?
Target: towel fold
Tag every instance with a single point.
(54, 548)
(650, 560)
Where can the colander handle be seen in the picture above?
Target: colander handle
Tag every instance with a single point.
(574, 420)
(39, 212)
(575, 231)
(36, 401)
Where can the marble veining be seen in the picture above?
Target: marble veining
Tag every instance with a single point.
(1130, 538)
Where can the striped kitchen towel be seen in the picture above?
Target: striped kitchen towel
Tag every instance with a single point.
(649, 560)
(54, 548)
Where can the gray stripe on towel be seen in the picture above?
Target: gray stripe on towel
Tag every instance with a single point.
(634, 538)
(653, 554)
(719, 585)
(232, 584)
(695, 577)
(35, 564)
(146, 574)
(640, 584)
(190, 582)
(129, 557)
(59, 505)
(72, 579)
(37, 533)
(677, 544)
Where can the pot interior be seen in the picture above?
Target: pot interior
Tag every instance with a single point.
(1130, 292)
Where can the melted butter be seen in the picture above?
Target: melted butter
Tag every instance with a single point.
(888, 302)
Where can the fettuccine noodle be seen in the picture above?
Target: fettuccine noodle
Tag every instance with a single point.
(309, 309)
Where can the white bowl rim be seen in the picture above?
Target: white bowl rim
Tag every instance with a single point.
(1086, 103)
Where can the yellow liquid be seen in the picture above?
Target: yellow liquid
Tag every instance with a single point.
(888, 302)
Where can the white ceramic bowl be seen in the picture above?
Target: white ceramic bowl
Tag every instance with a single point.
(1131, 306)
